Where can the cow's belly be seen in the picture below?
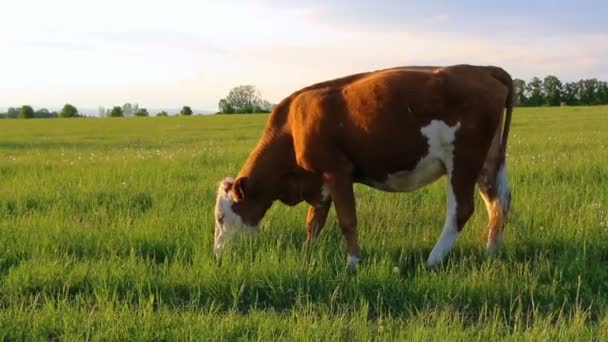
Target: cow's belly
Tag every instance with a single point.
(427, 171)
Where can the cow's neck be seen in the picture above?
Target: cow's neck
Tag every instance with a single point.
(266, 167)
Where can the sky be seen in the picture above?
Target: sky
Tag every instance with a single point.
(166, 54)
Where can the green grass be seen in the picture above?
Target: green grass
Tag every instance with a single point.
(106, 232)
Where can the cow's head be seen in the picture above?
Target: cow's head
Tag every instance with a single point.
(235, 212)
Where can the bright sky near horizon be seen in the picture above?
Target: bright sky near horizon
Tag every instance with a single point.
(191, 52)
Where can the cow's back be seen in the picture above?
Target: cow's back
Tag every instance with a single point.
(375, 119)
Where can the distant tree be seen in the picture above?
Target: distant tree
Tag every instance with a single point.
(588, 91)
(186, 110)
(116, 112)
(569, 93)
(162, 113)
(44, 113)
(552, 91)
(12, 112)
(244, 99)
(26, 112)
(602, 92)
(68, 111)
(594, 84)
(519, 89)
(262, 106)
(225, 107)
(101, 111)
(127, 109)
(534, 92)
(142, 112)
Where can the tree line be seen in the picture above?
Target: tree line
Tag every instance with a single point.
(70, 111)
(550, 91)
(27, 112)
(133, 109)
(241, 99)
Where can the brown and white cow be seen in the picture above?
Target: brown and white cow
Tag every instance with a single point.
(395, 130)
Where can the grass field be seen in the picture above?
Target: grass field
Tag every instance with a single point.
(106, 232)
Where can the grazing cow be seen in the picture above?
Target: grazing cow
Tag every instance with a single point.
(395, 130)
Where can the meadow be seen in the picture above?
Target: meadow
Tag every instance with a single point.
(106, 230)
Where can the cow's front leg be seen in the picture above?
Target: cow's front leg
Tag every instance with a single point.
(316, 218)
(341, 190)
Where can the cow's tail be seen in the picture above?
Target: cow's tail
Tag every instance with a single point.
(496, 190)
(507, 81)
(507, 124)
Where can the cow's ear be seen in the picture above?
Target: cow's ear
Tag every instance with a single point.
(240, 188)
(226, 185)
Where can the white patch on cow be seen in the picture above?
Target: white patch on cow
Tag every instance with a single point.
(438, 161)
(449, 233)
(227, 222)
(441, 138)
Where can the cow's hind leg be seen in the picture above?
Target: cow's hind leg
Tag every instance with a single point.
(460, 207)
(494, 190)
(316, 218)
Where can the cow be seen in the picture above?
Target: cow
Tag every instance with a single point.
(395, 130)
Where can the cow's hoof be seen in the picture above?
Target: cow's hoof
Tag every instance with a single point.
(352, 262)
(433, 260)
(493, 247)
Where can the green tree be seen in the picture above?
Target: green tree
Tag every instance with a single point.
(225, 107)
(162, 113)
(602, 92)
(262, 106)
(43, 113)
(552, 91)
(587, 91)
(12, 112)
(142, 112)
(534, 92)
(68, 111)
(26, 112)
(244, 99)
(569, 93)
(519, 90)
(129, 109)
(186, 110)
(116, 112)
